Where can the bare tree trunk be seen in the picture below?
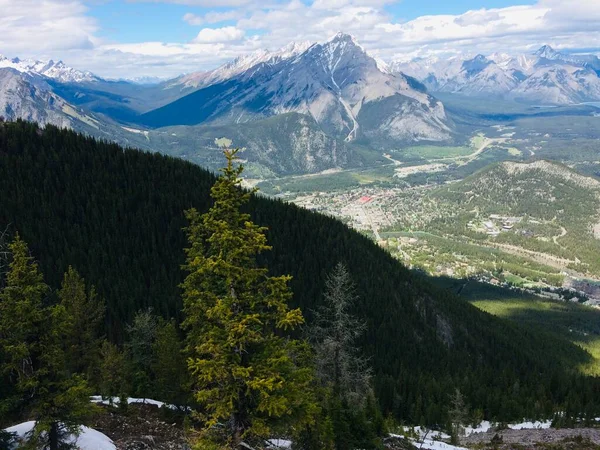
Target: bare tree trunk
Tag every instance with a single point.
(53, 436)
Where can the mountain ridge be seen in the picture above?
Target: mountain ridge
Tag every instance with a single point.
(546, 75)
(329, 81)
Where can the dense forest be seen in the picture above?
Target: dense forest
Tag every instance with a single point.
(117, 216)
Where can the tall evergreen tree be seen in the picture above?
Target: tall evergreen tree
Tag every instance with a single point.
(334, 335)
(36, 357)
(172, 380)
(341, 368)
(140, 351)
(85, 314)
(458, 414)
(246, 372)
(22, 322)
(113, 374)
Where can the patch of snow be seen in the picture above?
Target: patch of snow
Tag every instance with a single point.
(429, 444)
(483, 427)
(89, 439)
(136, 131)
(115, 401)
(531, 425)
(279, 443)
(436, 445)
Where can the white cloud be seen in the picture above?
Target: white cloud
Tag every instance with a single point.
(28, 26)
(225, 34)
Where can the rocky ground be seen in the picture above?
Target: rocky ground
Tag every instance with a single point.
(142, 427)
(568, 439)
(146, 427)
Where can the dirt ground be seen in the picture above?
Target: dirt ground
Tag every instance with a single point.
(568, 439)
(143, 427)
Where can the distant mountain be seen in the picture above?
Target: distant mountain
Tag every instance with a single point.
(25, 95)
(545, 76)
(304, 108)
(588, 61)
(346, 91)
(55, 70)
(30, 96)
(236, 67)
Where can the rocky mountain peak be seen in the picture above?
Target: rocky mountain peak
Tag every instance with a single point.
(547, 52)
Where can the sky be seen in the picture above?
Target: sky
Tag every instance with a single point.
(164, 38)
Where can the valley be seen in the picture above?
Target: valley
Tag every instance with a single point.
(512, 207)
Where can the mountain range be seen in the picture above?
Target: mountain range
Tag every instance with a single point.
(546, 76)
(336, 83)
(331, 99)
(304, 108)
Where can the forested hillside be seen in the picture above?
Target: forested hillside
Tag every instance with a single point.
(117, 216)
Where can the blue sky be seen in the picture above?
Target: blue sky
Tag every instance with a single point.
(130, 22)
(164, 38)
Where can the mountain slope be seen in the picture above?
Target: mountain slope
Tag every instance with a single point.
(28, 96)
(289, 143)
(558, 211)
(117, 216)
(236, 67)
(330, 82)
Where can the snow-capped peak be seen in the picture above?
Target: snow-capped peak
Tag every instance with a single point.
(293, 49)
(341, 36)
(342, 40)
(547, 52)
(240, 65)
(382, 65)
(50, 69)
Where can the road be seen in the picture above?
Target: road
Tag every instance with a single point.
(485, 144)
(563, 233)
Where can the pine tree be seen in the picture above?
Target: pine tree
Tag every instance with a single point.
(246, 373)
(22, 321)
(171, 384)
(85, 314)
(458, 414)
(34, 354)
(334, 334)
(140, 351)
(113, 381)
(340, 367)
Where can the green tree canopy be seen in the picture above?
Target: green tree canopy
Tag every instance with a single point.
(247, 373)
(35, 355)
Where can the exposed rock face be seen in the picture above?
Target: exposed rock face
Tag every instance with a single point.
(337, 83)
(28, 97)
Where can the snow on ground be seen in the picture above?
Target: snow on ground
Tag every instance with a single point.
(483, 427)
(136, 131)
(115, 401)
(423, 432)
(436, 445)
(531, 425)
(430, 439)
(429, 444)
(279, 444)
(89, 439)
